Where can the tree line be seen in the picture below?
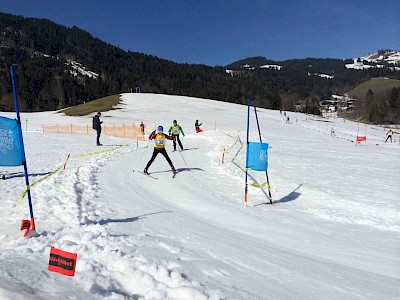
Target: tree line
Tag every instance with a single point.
(39, 50)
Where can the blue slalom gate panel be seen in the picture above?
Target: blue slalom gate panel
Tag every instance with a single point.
(11, 150)
(257, 156)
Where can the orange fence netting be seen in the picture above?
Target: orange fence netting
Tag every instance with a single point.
(124, 131)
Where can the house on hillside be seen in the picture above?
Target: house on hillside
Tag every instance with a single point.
(337, 102)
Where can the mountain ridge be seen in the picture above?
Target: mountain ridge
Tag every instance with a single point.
(58, 67)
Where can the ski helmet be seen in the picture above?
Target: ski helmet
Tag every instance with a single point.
(160, 129)
(174, 122)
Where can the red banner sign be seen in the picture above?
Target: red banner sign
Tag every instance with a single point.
(62, 262)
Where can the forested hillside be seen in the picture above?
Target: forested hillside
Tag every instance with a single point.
(57, 67)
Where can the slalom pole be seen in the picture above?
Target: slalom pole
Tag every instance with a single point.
(358, 129)
(266, 171)
(247, 150)
(22, 148)
(65, 164)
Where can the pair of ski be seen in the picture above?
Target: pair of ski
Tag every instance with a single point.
(151, 176)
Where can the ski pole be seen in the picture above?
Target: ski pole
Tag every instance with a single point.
(141, 156)
(184, 160)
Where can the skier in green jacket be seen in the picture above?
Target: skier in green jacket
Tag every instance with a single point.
(175, 130)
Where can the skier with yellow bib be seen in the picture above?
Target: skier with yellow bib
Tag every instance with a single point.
(159, 147)
(175, 130)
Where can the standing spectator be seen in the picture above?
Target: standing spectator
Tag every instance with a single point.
(197, 126)
(142, 127)
(175, 130)
(159, 147)
(97, 126)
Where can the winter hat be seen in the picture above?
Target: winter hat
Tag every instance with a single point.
(160, 129)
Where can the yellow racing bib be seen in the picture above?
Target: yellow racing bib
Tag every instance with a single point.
(159, 141)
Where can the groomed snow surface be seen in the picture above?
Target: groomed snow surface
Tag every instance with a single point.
(332, 232)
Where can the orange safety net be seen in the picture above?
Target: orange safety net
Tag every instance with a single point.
(124, 131)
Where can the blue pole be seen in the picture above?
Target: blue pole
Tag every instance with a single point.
(247, 150)
(22, 146)
(259, 133)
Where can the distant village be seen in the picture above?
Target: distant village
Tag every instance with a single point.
(337, 103)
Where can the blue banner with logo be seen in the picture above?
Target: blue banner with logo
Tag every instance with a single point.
(11, 148)
(257, 156)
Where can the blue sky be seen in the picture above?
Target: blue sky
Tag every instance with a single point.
(219, 32)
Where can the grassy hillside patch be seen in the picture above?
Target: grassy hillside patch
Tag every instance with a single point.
(102, 104)
(377, 85)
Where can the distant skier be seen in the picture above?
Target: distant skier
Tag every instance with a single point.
(197, 126)
(175, 130)
(389, 135)
(333, 132)
(142, 127)
(159, 147)
(97, 126)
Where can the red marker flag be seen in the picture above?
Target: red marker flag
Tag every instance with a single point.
(26, 225)
(62, 262)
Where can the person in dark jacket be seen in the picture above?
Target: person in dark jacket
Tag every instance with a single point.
(197, 126)
(159, 147)
(97, 126)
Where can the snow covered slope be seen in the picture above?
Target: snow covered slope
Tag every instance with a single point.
(332, 232)
(388, 59)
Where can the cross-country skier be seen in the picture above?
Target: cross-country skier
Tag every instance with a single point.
(197, 126)
(389, 135)
(159, 147)
(175, 130)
